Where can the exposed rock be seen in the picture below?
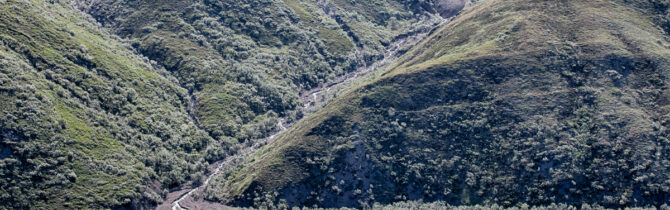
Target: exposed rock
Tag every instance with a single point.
(450, 8)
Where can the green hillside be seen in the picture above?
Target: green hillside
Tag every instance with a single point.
(246, 62)
(120, 104)
(515, 101)
(85, 122)
(117, 103)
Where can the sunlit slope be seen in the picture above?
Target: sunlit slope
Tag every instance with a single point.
(515, 101)
(85, 122)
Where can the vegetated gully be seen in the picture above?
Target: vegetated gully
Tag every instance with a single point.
(313, 100)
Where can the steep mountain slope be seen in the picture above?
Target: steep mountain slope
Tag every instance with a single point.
(247, 62)
(85, 122)
(89, 121)
(515, 101)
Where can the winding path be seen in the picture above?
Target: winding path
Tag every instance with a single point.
(312, 99)
(230, 162)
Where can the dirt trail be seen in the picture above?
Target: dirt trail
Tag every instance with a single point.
(313, 100)
(183, 199)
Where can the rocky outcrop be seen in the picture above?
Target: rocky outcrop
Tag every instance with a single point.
(450, 8)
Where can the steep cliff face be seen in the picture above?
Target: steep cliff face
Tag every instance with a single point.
(519, 101)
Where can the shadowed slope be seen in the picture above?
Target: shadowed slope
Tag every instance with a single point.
(520, 101)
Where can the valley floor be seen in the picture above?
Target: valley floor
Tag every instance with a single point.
(184, 197)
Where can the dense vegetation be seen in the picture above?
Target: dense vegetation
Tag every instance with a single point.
(515, 101)
(441, 205)
(98, 120)
(113, 103)
(85, 122)
(246, 62)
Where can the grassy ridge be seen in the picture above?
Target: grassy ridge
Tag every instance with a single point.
(513, 102)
